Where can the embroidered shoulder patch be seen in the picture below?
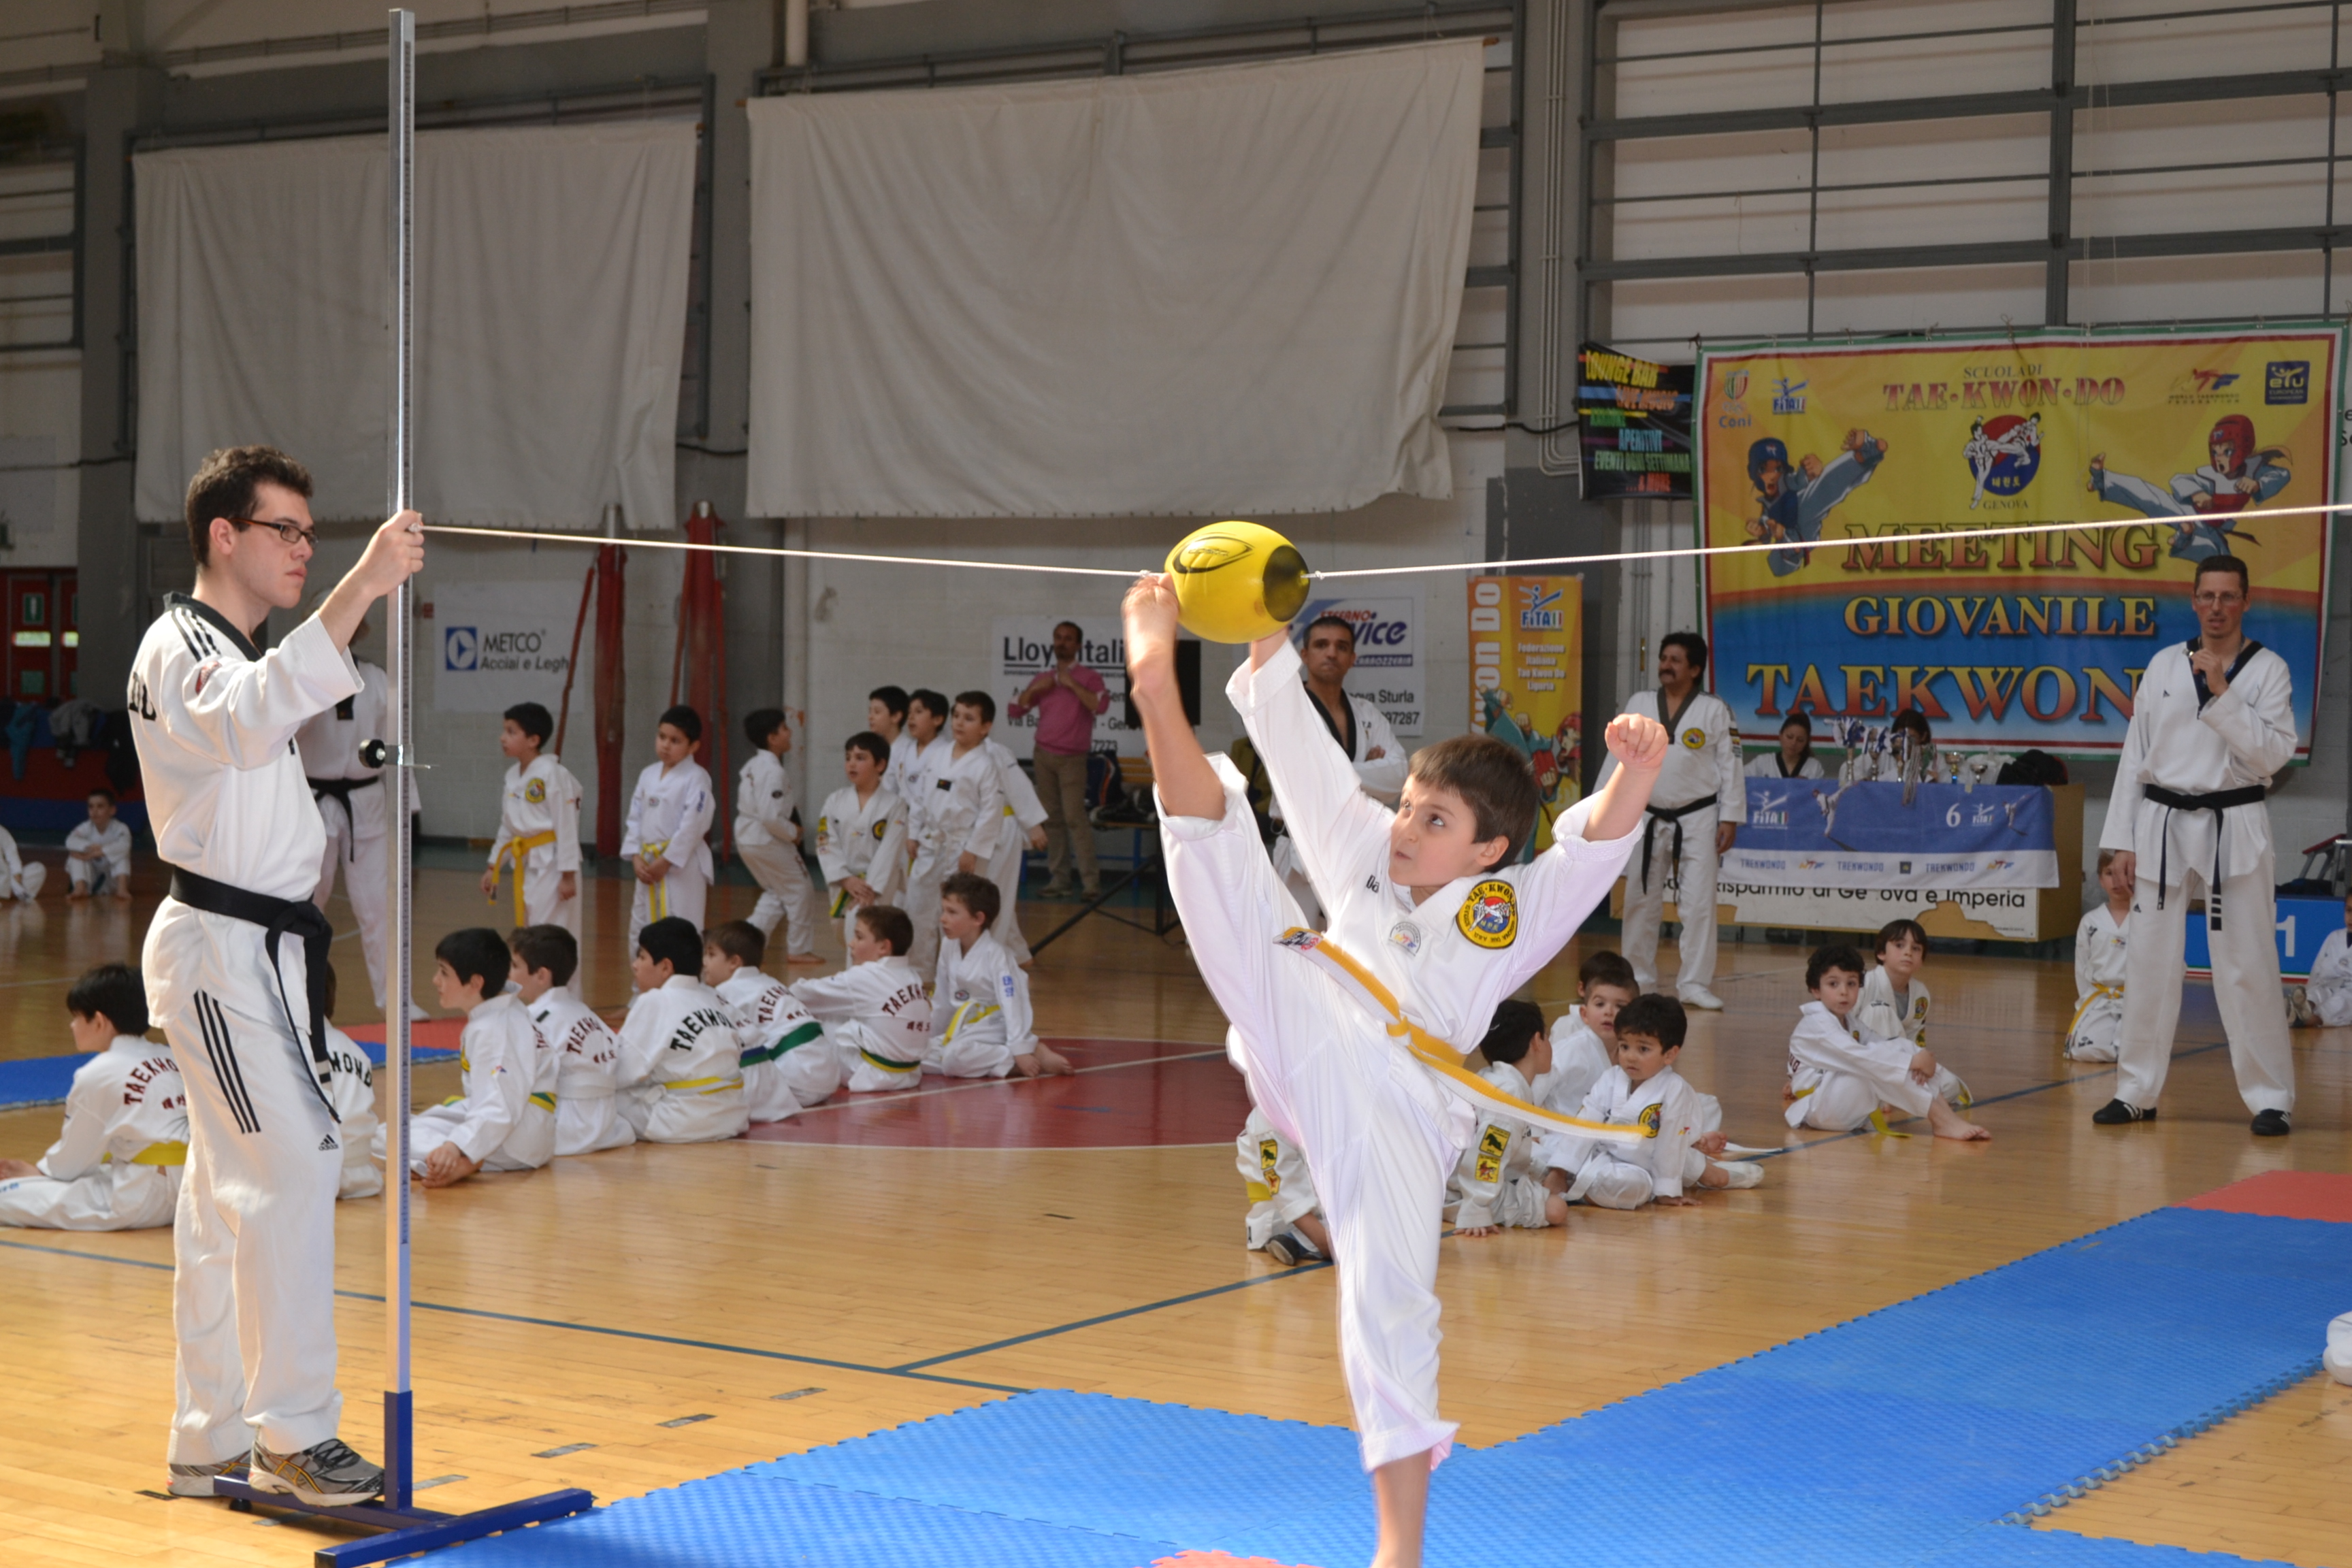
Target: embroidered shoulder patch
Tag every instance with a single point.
(1490, 915)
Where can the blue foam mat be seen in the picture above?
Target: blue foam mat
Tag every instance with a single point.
(44, 1080)
(1921, 1435)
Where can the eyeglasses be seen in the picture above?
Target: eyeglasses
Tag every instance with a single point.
(2216, 601)
(291, 533)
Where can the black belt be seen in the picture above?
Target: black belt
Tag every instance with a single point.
(1674, 814)
(2217, 802)
(278, 917)
(341, 790)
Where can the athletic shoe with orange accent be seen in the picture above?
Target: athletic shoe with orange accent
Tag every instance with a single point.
(322, 1474)
(196, 1480)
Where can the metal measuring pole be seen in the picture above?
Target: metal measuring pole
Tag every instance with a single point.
(399, 1423)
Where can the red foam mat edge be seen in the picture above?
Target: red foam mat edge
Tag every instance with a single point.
(2284, 1195)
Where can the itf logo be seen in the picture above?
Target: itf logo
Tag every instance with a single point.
(461, 649)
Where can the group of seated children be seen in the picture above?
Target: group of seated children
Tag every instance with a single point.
(98, 858)
(1859, 1047)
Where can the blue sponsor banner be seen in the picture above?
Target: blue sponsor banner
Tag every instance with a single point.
(2303, 925)
(1816, 833)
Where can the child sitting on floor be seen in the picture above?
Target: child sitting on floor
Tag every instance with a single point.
(116, 1163)
(1840, 1076)
(97, 852)
(588, 1054)
(681, 1072)
(1584, 1041)
(1894, 1001)
(505, 1118)
(19, 879)
(1284, 1220)
(980, 1022)
(787, 1061)
(1497, 1182)
(2327, 994)
(876, 1010)
(1643, 1089)
(2099, 968)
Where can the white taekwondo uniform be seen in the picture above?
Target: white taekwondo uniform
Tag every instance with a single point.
(1880, 1011)
(681, 1069)
(1579, 1057)
(2329, 987)
(1841, 1075)
(2183, 747)
(111, 870)
(1612, 1176)
(253, 1299)
(769, 842)
(878, 1016)
(979, 1011)
(355, 1096)
(962, 813)
(668, 816)
(1281, 1189)
(116, 1163)
(1382, 777)
(1884, 767)
(1767, 765)
(350, 796)
(903, 755)
(587, 1117)
(505, 1118)
(1380, 1128)
(1700, 786)
(1023, 812)
(2101, 957)
(1497, 1178)
(861, 839)
(787, 1060)
(538, 832)
(19, 878)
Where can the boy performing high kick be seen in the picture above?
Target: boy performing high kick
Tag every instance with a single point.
(1344, 1039)
(235, 967)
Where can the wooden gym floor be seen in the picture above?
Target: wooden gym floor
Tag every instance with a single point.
(682, 1311)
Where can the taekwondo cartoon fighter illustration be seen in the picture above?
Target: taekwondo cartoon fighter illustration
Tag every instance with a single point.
(1792, 502)
(2199, 505)
(1985, 450)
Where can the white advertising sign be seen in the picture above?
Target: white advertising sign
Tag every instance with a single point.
(1388, 672)
(493, 645)
(1022, 647)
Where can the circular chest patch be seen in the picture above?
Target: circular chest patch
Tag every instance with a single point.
(1649, 1120)
(1694, 738)
(878, 828)
(535, 792)
(1490, 915)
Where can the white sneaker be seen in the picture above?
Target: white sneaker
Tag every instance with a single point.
(1699, 996)
(1743, 1173)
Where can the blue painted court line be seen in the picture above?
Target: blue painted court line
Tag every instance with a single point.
(1111, 1317)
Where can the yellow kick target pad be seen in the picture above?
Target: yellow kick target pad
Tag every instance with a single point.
(1236, 582)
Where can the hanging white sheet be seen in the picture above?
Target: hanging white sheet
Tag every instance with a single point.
(1222, 291)
(551, 310)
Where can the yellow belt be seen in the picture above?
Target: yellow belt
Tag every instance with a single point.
(706, 1085)
(887, 1065)
(515, 849)
(544, 1101)
(656, 893)
(2090, 1001)
(969, 1013)
(1437, 1054)
(172, 1154)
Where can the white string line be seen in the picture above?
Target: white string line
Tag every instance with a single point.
(1922, 531)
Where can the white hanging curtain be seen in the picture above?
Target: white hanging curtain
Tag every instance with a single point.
(1222, 291)
(551, 319)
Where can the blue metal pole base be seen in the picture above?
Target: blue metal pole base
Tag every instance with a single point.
(403, 1530)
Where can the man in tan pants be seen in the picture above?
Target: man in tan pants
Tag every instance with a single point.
(1066, 697)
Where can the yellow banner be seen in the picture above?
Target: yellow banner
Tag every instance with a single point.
(2036, 640)
(1526, 679)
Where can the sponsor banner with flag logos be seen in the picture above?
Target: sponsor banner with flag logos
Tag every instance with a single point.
(1813, 833)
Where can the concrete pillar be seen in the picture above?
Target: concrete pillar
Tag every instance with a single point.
(118, 100)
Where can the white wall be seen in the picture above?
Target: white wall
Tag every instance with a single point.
(40, 436)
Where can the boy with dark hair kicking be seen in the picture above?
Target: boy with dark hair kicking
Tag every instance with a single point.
(1345, 1036)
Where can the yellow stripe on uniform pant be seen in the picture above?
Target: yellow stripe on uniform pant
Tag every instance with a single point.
(517, 851)
(1438, 1055)
(656, 893)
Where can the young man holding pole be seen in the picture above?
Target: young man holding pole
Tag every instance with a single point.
(215, 719)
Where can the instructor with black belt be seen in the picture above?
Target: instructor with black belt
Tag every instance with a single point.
(1696, 810)
(2214, 719)
(233, 966)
